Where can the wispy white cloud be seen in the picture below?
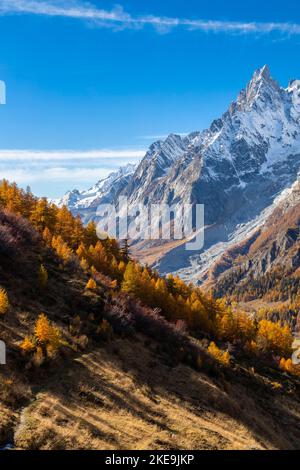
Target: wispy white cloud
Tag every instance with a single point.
(56, 155)
(161, 136)
(119, 18)
(55, 175)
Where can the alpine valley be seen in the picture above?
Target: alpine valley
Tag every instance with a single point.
(242, 169)
(99, 351)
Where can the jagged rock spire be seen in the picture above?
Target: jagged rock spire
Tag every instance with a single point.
(265, 72)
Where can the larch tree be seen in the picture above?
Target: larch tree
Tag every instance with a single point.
(91, 284)
(4, 303)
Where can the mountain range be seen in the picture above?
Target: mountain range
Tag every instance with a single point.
(241, 168)
(97, 343)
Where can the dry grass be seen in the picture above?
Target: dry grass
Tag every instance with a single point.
(121, 397)
(123, 394)
(151, 253)
(8, 419)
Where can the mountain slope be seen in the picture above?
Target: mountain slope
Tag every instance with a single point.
(85, 203)
(125, 397)
(236, 168)
(86, 398)
(96, 360)
(265, 265)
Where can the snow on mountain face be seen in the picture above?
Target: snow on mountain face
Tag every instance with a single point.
(236, 168)
(260, 125)
(154, 168)
(85, 203)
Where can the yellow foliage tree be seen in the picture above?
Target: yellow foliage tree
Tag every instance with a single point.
(4, 303)
(122, 267)
(84, 264)
(61, 248)
(221, 356)
(235, 326)
(90, 234)
(47, 335)
(198, 318)
(42, 329)
(91, 284)
(42, 215)
(81, 251)
(274, 338)
(27, 345)
(287, 366)
(47, 236)
(132, 279)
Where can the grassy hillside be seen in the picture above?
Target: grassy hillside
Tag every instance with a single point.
(104, 354)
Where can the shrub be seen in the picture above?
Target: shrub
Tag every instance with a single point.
(27, 345)
(15, 233)
(8, 243)
(276, 386)
(12, 390)
(74, 327)
(38, 357)
(126, 314)
(105, 330)
(82, 341)
(287, 366)
(118, 315)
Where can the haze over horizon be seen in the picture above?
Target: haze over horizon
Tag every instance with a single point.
(114, 79)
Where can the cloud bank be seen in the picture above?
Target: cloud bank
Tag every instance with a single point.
(118, 18)
(71, 155)
(54, 175)
(53, 172)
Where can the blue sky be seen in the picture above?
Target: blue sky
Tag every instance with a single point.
(94, 76)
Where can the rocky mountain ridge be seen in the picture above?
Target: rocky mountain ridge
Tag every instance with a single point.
(236, 168)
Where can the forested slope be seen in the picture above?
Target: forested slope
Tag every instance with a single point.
(103, 353)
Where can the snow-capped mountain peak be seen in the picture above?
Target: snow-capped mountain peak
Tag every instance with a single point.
(236, 168)
(103, 191)
(260, 90)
